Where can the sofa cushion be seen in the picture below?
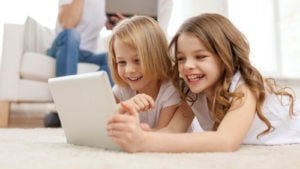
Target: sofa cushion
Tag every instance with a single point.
(37, 38)
(40, 67)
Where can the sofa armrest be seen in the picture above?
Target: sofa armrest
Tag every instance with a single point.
(10, 65)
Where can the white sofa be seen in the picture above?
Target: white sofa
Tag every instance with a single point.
(24, 75)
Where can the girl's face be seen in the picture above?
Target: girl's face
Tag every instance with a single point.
(129, 67)
(199, 68)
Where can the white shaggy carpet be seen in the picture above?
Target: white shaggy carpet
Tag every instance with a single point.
(47, 149)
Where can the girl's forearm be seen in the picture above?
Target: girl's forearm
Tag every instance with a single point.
(185, 142)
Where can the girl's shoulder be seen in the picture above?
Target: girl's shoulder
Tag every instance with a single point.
(123, 93)
(168, 95)
(168, 89)
(122, 88)
(167, 85)
(237, 80)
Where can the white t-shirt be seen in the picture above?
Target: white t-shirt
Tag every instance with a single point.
(92, 21)
(166, 97)
(287, 128)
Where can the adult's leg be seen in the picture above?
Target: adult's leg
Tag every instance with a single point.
(65, 49)
(99, 59)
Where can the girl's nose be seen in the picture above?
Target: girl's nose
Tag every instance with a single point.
(189, 64)
(130, 68)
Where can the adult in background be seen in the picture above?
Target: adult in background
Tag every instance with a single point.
(78, 26)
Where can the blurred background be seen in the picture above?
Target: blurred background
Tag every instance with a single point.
(271, 26)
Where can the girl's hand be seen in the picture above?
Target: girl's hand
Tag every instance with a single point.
(126, 130)
(140, 102)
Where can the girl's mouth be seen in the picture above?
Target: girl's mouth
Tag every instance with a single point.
(193, 78)
(134, 79)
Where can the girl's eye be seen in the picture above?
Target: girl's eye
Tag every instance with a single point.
(180, 58)
(121, 62)
(200, 57)
(137, 61)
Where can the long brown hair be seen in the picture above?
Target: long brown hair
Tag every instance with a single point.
(224, 40)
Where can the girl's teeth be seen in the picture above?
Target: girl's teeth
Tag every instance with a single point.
(193, 77)
(134, 78)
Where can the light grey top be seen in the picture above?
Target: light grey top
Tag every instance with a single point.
(166, 97)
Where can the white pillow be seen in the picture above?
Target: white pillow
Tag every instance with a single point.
(37, 38)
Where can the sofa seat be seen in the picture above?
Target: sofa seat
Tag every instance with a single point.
(40, 67)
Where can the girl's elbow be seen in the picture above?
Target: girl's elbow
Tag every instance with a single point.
(230, 146)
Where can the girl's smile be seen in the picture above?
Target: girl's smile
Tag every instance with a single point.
(134, 79)
(194, 77)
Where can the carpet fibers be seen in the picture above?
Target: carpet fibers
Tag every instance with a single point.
(47, 149)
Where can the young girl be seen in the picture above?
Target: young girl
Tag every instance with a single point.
(141, 69)
(229, 97)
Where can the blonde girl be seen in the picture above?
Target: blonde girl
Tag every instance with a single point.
(141, 69)
(229, 97)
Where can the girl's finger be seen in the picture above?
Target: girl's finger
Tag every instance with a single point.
(149, 101)
(129, 109)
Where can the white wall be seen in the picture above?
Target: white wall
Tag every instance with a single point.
(183, 9)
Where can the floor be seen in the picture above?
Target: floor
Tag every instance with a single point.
(29, 115)
(25, 122)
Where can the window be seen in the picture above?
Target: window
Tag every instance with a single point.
(272, 28)
(289, 28)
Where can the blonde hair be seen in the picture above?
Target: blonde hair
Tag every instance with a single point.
(146, 36)
(224, 40)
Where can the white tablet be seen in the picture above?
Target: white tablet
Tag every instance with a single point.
(84, 102)
(132, 7)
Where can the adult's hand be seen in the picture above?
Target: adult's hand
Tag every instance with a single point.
(113, 20)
